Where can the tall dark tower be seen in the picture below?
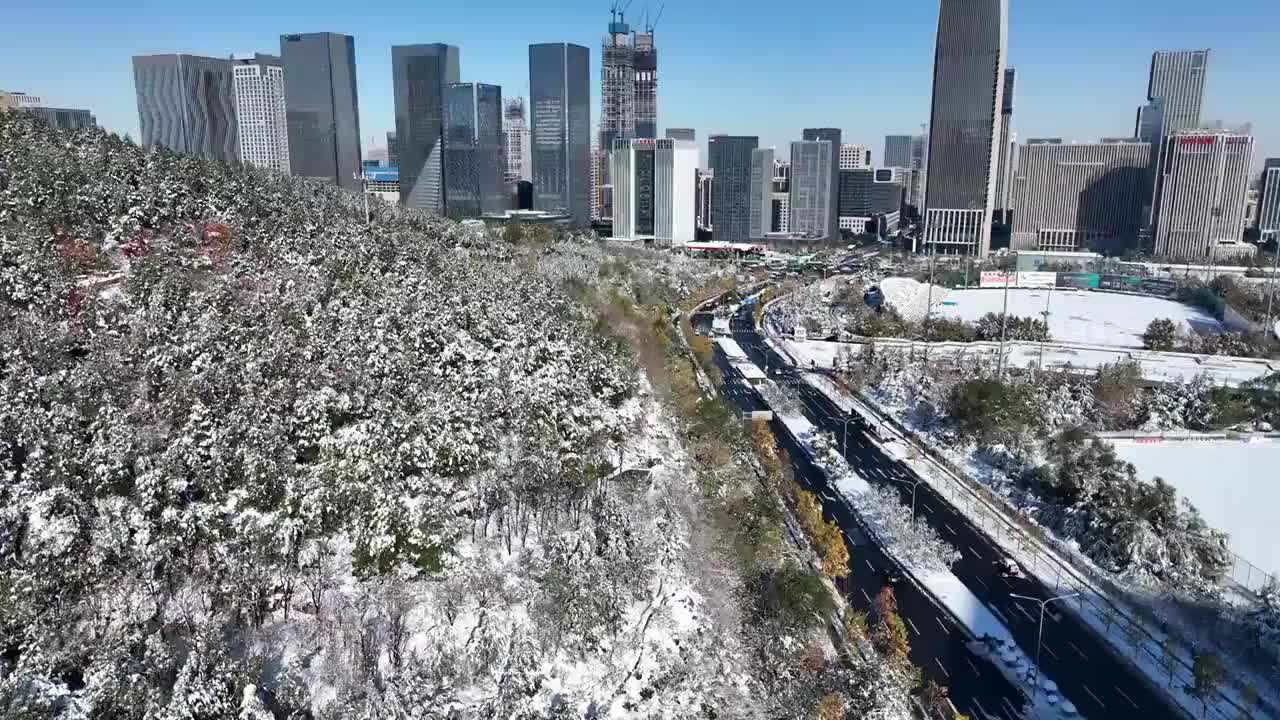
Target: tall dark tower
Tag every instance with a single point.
(964, 129)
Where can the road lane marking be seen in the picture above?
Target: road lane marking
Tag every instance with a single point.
(865, 595)
(913, 626)
(868, 562)
(1126, 697)
(975, 577)
(975, 552)
(996, 611)
(1049, 650)
(974, 667)
(944, 627)
(1005, 580)
(1078, 651)
(948, 527)
(981, 710)
(944, 670)
(927, 508)
(1095, 697)
(1025, 613)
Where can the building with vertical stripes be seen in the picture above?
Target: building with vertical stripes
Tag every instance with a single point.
(815, 181)
(702, 195)
(1177, 80)
(560, 132)
(473, 160)
(1004, 168)
(1205, 175)
(1268, 218)
(831, 135)
(762, 168)
(1080, 197)
(63, 118)
(730, 159)
(322, 103)
(515, 139)
(187, 103)
(653, 190)
(964, 126)
(261, 120)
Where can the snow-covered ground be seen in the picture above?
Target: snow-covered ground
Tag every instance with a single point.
(1162, 367)
(1075, 316)
(1235, 486)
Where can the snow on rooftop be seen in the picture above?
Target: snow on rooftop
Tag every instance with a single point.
(1234, 485)
(732, 349)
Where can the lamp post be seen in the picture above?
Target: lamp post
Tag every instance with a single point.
(364, 192)
(1040, 632)
(913, 484)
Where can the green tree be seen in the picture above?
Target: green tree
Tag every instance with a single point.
(1159, 335)
(988, 411)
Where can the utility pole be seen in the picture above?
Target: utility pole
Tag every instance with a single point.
(1047, 300)
(928, 312)
(1004, 321)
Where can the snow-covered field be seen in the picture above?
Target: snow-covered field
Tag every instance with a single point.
(1075, 316)
(1234, 484)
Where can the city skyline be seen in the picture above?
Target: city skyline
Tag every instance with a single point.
(698, 92)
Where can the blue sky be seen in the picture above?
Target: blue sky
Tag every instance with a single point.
(744, 67)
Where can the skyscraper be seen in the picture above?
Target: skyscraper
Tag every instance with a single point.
(762, 165)
(393, 150)
(854, 157)
(653, 183)
(1004, 168)
(560, 102)
(646, 91)
(968, 89)
(515, 138)
(1081, 196)
(322, 106)
(897, 151)
(261, 120)
(703, 198)
(1205, 175)
(1269, 200)
(730, 159)
(682, 134)
(815, 176)
(617, 84)
(473, 161)
(831, 135)
(187, 103)
(419, 75)
(1177, 78)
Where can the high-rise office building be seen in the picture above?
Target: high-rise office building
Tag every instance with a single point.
(703, 198)
(831, 135)
(866, 195)
(599, 172)
(419, 76)
(968, 89)
(653, 183)
(617, 84)
(393, 150)
(1008, 151)
(1205, 175)
(473, 162)
(815, 177)
(261, 121)
(681, 134)
(322, 107)
(897, 151)
(1081, 196)
(762, 167)
(187, 103)
(1268, 217)
(560, 145)
(1177, 78)
(63, 118)
(730, 159)
(515, 138)
(646, 91)
(855, 193)
(854, 157)
(781, 215)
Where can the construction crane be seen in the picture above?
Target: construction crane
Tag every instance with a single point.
(649, 26)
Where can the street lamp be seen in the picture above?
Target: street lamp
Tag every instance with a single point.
(913, 484)
(1040, 632)
(364, 192)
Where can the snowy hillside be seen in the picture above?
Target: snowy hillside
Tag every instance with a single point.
(259, 458)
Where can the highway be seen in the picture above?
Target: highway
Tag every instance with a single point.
(1100, 684)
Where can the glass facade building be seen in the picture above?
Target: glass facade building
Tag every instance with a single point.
(187, 103)
(560, 132)
(64, 118)
(968, 89)
(321, 107)
(730, 159)
(473, 150)
(815, 178)
(419, 75)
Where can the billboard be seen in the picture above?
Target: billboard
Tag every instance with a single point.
(1127, 283)
(1037, 279)
(1164, 288)
(993, 278)
(1082, 281)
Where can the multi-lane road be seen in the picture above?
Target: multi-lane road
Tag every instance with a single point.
(1085, 668)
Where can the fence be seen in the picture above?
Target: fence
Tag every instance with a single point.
(1080, 576)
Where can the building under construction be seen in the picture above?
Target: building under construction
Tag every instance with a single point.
(628, 93)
